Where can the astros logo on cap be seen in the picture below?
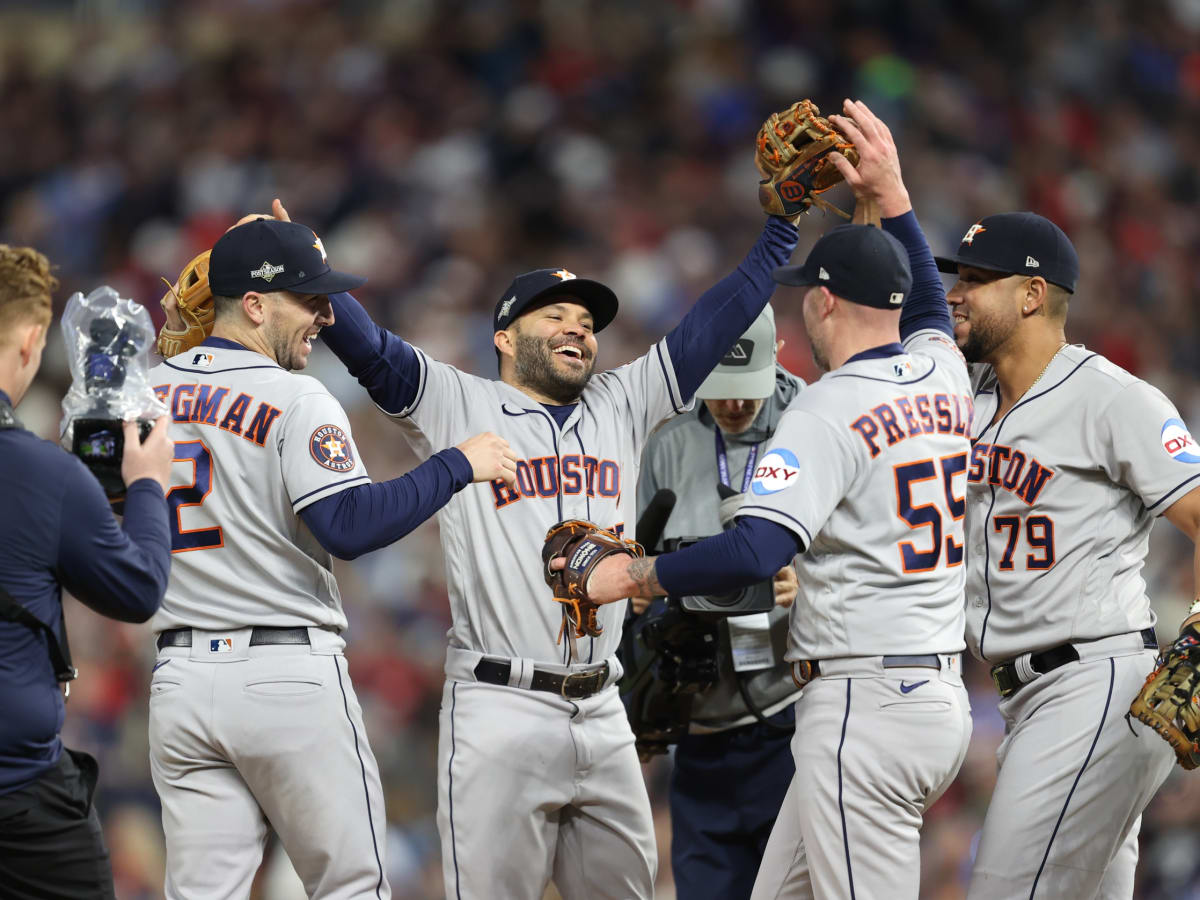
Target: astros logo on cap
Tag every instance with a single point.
(331, 448)
(969, 237)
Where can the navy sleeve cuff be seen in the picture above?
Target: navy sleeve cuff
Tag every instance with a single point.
(752, 551)
(458, 466)
(925, 306)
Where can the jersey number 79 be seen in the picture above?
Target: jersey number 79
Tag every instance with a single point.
(931, 515)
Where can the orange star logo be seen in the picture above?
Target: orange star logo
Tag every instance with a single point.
(969, 237)
(333, 447)
(563, 274)
(317, 245)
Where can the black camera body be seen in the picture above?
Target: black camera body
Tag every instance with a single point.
(100, 443)
(756, 598)
(670, 654)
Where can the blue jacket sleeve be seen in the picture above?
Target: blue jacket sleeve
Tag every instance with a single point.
(369, 516)
(385, 364)
(926, 304)
(725, 311)
(754, 550)
(119, 571)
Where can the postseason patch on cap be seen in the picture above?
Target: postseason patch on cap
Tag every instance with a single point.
(1178, 442)
(331, 448)
(777, 471)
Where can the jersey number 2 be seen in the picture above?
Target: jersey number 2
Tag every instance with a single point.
(193, 495)
(931, 515)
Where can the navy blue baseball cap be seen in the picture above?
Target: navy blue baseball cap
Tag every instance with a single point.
(861, 263)
(1017, 243)
(268, 255)
(542, 284)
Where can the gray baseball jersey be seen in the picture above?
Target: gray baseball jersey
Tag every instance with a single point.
(254, 445)
(587, 469)
(881, 427)
(1063, 491)
(235, 724)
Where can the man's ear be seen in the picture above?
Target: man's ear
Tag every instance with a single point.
(254, 305)
(30, 336)
(1035, 296)
(829, 300)
(504, 343)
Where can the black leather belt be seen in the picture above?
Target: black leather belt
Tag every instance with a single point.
(259, 636)
(1008, 681)
(575, 686)
(805, 670)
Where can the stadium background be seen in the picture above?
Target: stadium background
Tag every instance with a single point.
(441, 147)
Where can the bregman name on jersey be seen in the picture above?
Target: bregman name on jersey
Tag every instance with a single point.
(205, 404)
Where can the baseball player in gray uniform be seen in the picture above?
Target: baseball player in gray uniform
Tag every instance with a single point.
(866, 474)
(732, 769)
(1072, 460)
(253, 719)
(538, 775)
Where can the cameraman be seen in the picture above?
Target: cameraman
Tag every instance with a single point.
(731, 770)
(60, 533)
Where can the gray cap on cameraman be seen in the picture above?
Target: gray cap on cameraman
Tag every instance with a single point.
(747, 371)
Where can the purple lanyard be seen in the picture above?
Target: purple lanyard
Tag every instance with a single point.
(723, 463)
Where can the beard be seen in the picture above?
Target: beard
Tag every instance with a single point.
(287, 354)
(533, 366)
(983, 337)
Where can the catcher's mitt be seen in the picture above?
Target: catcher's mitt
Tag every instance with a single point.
(192, 297)
(583, 544)
(792, 153)
(1168, 700)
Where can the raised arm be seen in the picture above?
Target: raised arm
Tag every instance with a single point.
(725, 311)
(384, 363)
(877, 181)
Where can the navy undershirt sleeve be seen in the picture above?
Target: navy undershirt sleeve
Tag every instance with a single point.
(118, 570)
(926, 304)
(385, 364)
(754, 550)
(725, 311)
(369, 516)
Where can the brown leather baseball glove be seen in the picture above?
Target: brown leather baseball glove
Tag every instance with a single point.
(791, 152)
(1168, 700)
(192, 298)
(583, 544)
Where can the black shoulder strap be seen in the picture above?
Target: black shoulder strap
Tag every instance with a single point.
(60, 655)
(12, 611)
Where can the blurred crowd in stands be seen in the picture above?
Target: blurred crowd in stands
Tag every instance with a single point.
(442, 146)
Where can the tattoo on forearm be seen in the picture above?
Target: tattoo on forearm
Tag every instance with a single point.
(642, 573)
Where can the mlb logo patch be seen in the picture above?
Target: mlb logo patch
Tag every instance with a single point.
(202, 359)
(220, 645)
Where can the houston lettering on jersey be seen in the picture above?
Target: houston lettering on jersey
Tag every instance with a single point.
(205, 404)
(907, 417)
(541, 476)
(1022, 475)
